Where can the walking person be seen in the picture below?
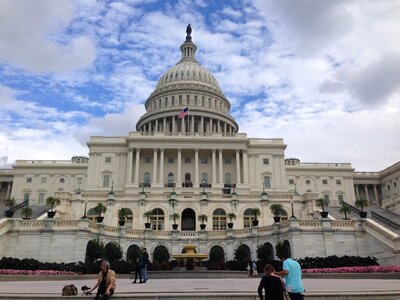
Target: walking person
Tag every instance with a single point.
(144, 265)
(292, 273)
(138, 272)
(105, 282)
(272, 284)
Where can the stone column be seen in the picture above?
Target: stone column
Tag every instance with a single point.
(156, 127)
(129, 167)
(183, 129)
(196, 167)
(8, 193)
(137, 162)
(201, 124)
(179, 178)
(366, 192)
(219, 126)
(238, 181)
(245, 168)
(164, 124)
(173, 124)
(214, 171)
(221, 179)
(224, 127)
(357, 192)
(210, 125)
(154, 177)
(376, 194)
(162, 166)
(192, 125)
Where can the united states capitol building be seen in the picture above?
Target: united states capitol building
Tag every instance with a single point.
(195, 163)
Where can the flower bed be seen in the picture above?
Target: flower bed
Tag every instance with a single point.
(367, 269)
(34, 272)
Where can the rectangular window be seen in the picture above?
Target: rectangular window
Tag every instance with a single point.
(106, 180)
(340, 198)
(108, 159)
(227, 160)
(26, 197)
(171, 160)
(41, 197)
(147, 160)
(204, 160)
(28, 179)
(338, 181)
(188, 160)
(324, 181)
(267, 182)
(43, 179)
(266, 161)
(291, 181)
(326, 197)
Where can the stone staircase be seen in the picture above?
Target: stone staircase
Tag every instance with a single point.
(37, 211)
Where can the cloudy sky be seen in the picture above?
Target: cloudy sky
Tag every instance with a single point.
(324, 75)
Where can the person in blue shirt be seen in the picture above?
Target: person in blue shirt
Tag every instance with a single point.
(292, 273)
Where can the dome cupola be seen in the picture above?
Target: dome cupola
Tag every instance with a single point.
(187, 85)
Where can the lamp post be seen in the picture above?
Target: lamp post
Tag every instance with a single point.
(291, 202)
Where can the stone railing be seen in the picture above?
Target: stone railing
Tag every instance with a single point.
(382, 233)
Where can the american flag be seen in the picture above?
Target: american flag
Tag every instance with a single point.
(183, 113)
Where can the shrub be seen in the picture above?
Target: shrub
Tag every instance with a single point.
(94, 250)
(336, 262)
(112, 251)
(264, 252)
(160, 254)
(242, 253)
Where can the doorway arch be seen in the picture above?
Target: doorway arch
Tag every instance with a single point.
(188, 222)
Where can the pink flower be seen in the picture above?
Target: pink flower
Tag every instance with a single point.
(367, 269)
(34, 272)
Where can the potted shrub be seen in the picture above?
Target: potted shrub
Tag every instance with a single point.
(203, 219)
(174, 217)
(51, 201)
(99, 209)
(122, 213)
(27, 212)
(345, 209)
(322, 203)
(10, 203)
(277, 210)
(256, 213)
(361, 203)
(231, 216)
(148, 214)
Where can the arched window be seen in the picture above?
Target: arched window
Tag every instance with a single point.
(219, 219)
(248, 217)
(170, 177)
(284, 215)
(157, 219)
(216, 258)
(146, 178)
(180, 99)
(129, 218)
(204, 178)
(228, 178)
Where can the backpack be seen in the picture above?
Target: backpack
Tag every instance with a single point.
(69, 290)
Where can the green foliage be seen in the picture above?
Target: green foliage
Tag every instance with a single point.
(231, 216)
(216, 255)
(203, 218)
(256, 212)
(122, 213)
(282, 249)
(100, 208)
(27, 212)
(345, 209)
(148, 214)
(361, 203)
(174, 217)
(242, 253)
(94, 250)
(322, 203)
(277, 209)
(161, 254)
(112, 251)
(51, 201)
(10, 202)
(265, 252)
(133, 253)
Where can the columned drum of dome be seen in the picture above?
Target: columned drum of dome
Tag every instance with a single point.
(187, 85)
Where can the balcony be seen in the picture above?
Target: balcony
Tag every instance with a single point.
(145, 184)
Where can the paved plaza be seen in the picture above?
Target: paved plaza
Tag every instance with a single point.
(220, 287)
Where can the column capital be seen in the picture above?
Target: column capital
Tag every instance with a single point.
(161, 149)
(220, 150)
(213, 150)
(137, 149)
(196, 150)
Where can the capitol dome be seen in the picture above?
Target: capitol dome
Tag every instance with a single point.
(187, 86)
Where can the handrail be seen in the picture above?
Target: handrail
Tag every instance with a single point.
(353, 208)
(385, 220)
(18, 206)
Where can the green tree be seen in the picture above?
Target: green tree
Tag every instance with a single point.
(242, 253)
(100, 208)
(122, 213)
(148, 214)
(231, 216)
(345, 209)
(113, 251)
(174, 217)
(265, 251)
(256, 212)
(94, 250)
(203, 218)
(52, 202)
(361, 203)
(277, 209)
(27, 212)
(10, 202)
(161, 254)
(322, 203)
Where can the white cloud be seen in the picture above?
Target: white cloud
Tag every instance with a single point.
(28, 38)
